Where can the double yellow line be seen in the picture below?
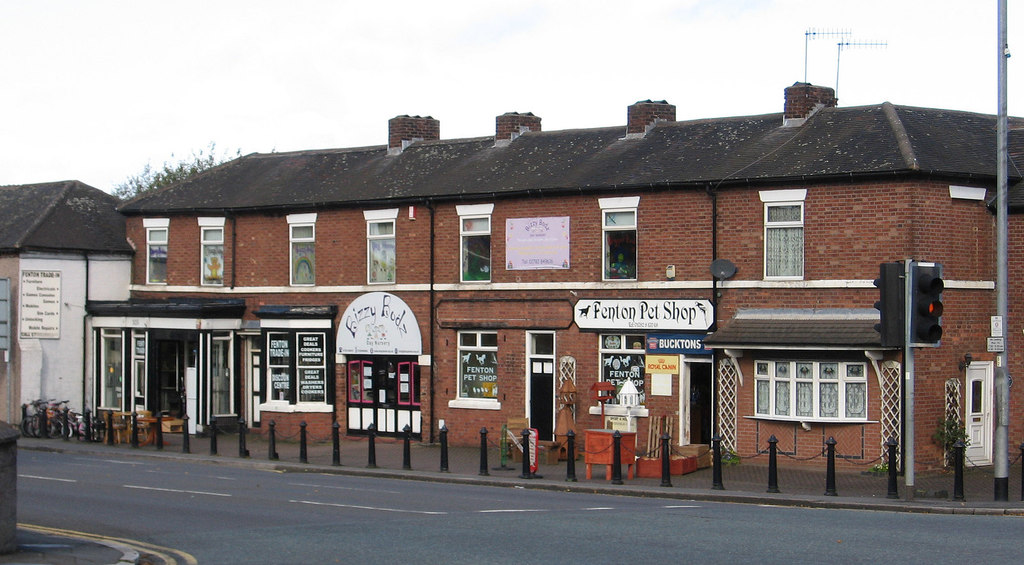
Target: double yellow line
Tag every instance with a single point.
(168, 555)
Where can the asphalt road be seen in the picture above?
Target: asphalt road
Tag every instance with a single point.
(238, 514)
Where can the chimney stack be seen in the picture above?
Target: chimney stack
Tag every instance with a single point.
(511, 125)
(403, 130)
(804, 99)
(641, 116)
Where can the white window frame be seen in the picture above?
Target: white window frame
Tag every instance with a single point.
(784, 198)
(154, 227)
(770, 380)
(610, 206)
(211, 234)
(381, 218)
(112, 368)
(468, 213)
(300, 221)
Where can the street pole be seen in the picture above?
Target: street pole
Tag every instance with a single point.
(908, 387)
(1001, 445)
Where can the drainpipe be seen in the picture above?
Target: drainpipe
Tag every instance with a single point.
(85, 337)
(431, 420)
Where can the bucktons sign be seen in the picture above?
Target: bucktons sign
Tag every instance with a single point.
(657, 315)
(379, 323)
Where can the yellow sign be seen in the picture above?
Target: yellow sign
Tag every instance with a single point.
(662, 364)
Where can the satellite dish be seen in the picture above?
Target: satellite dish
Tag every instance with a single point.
(722, 269)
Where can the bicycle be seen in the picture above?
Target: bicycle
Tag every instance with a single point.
(97, 428)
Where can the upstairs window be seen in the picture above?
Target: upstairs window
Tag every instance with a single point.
(619, 226)
(475, 245)
(783, 233)
(302, 254)
(156, 250)
(380, 246)
(212, 242)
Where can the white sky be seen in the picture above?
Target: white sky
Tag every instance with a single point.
(93, 90)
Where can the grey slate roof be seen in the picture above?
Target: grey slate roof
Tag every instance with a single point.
(814, 329)
(60, 216)
(835, 142)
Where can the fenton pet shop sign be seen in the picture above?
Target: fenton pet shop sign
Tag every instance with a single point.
(379, 323)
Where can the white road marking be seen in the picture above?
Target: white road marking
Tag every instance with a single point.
(600, 508)
(500, 510)
(344, 488)
(48, 478)
(682, 506)
(182, 491)
(377, 508)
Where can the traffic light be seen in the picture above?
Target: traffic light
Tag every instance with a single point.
(926, 304)
(890, 304)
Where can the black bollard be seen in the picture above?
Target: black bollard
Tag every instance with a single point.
(483, 452)
(184, 435)
(243, 452)
(44, 424)
(272, 441)
(302, 443)
(110, 428)
(159, 431)
(616, 457)
(958, 470)
(335, 444)
(65, 425)
(527, 473)
(135, 430)
(371, 451)
(570, 454)
(406, 454)
(444, 449)
(830, 468)
(893, 490)
(773, 464)
(716, 463)
(213, 436)
(666, 466)
(87, 425)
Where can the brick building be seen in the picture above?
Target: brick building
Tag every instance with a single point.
(722, 268)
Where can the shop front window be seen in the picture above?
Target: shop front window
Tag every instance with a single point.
(478, 365)
(810, 390)
(279, 365)
(112, 363)
(622, 359)
(311, 367)
(220, 375)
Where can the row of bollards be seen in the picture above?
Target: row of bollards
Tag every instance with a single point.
(891, 445)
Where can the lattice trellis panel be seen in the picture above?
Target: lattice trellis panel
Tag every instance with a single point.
(728, 379)
(567, 372)
(954, 399)
(889, 382)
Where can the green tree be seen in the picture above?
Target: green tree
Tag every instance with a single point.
(151, 178)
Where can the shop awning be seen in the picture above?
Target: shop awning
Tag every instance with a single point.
(798, 329)
(170, 308)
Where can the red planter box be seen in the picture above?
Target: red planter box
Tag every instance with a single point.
(650, 468)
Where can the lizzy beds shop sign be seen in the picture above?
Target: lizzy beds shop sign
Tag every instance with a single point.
(653, 315)
(379, 323)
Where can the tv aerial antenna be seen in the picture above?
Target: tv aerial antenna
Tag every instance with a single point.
(843, 41)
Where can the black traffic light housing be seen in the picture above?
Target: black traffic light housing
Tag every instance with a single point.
(925, 296)
(891, 304)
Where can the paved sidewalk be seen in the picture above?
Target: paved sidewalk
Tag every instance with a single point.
(746, 482)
